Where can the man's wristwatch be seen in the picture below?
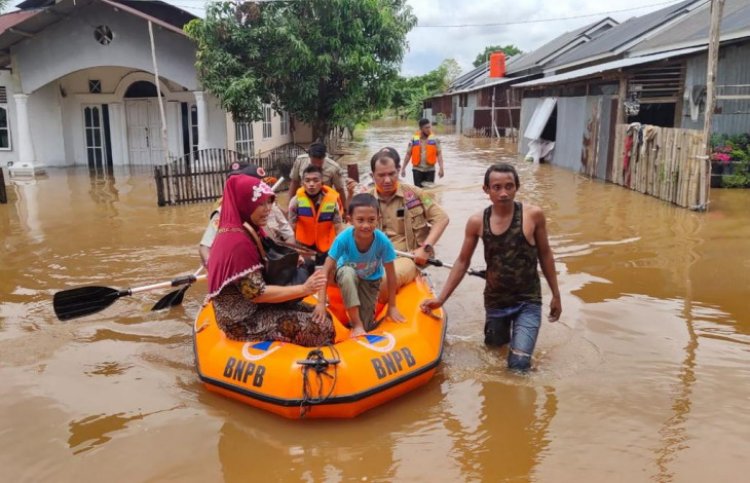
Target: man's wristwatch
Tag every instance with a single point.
(427, 247)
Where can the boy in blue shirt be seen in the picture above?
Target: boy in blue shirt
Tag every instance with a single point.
(361, 255)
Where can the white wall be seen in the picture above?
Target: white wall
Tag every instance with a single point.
(263, 145)
(69, 46)
(7, 80)
(47, 121)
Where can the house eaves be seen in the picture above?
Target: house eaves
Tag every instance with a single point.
(619, 39)
(42, 19)
(614, 65)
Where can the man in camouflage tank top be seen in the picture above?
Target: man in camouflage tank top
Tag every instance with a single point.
(515, 240)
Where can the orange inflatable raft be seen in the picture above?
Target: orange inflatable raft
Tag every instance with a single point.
(337, 381)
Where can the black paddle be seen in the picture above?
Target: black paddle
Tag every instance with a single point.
(77, 302)
(174, 297)
(439, 263)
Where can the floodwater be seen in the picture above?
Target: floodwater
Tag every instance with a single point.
(645, 378)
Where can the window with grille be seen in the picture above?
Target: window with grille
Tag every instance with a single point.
(243, 138)
(267, 121)
(284, 123)
(4, 120)
(94, 135)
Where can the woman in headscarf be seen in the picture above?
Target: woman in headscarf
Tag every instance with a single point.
(245, 307)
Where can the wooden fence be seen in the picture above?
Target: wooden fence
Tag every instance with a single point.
(667, 163)
(3, 193)
(200, 176)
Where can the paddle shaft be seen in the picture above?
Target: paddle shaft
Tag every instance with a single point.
(184, 280)
(439, 263)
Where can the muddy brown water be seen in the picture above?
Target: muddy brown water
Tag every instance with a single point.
(646, 376)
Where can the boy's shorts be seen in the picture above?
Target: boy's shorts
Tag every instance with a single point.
(358, 292)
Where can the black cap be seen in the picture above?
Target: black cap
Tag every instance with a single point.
(248, 169)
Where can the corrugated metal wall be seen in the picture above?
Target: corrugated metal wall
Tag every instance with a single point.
(734, 69)
(528, 106)
(572, 115)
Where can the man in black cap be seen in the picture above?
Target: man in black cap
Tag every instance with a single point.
(278, 227)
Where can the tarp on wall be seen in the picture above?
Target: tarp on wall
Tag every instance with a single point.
(541, 115)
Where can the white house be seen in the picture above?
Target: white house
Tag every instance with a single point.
(77, 87)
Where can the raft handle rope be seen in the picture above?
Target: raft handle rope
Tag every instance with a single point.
(317, 362)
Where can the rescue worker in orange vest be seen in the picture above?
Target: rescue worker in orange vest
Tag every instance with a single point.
(315, 214)
(424, 153)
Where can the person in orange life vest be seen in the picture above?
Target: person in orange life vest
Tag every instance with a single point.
(314, 213)
(333, 174)
(424, 152)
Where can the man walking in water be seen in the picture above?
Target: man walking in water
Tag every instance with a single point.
(514, 236)
(424, 152)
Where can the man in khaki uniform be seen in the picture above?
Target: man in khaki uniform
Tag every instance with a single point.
(333, 175)
(409, 217)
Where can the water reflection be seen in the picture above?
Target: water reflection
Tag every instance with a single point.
(103, 189)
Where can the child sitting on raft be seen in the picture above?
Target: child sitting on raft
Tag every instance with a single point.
(361, 255)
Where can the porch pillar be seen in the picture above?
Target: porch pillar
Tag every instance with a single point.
(26, 158)
(201, 106)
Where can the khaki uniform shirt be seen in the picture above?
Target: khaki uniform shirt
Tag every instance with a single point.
(408, 215)
(277, 228)
(333, 175)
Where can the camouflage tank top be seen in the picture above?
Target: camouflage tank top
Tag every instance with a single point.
(512, 275)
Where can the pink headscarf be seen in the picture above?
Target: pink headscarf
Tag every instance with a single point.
(233, 253)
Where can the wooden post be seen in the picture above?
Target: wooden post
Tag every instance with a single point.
(3, 194)
(622, 95)
(717, 8)
(352, 171)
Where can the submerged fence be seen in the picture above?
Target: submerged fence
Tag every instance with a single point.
(667, 163)
(3, 193)
(200, 176)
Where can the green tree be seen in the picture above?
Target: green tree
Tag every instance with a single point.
(326, 62)
(410, 92)
(482, 57)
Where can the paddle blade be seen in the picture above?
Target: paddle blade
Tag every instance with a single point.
(81, 301)
(171, 299)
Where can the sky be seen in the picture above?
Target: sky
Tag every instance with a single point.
(429, 46)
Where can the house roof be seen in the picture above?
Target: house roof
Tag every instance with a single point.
(546, 53)
(152, 7)
(617, 39)
(694, 29)
(608, 66)
(49, 15)
(12, 19)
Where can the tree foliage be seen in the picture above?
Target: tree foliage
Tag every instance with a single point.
(410, 92)
(326, 62)
(507, 49)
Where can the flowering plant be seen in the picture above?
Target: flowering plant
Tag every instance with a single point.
(722, 156)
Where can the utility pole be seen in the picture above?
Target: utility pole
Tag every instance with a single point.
(717, 8)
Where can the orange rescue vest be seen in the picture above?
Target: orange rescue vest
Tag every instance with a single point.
(316, 228)
(416, 149)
